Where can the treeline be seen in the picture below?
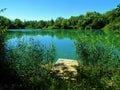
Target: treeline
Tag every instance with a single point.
(91, 20)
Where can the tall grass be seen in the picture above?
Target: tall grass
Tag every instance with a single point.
(30, 64)
(100, 55)
(7, 73)
(28, 60)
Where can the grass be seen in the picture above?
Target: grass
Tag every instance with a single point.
(99, 53)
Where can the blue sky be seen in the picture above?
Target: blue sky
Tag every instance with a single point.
(51, 9)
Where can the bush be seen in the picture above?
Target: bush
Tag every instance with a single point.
(28, 60)
(28, 65)
(101, 60)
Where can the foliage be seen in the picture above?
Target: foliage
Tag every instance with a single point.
(101, 60)
(28, 60)
(7, 73)
(91, 20)
(26, 65)
(113, 18)
(30, 67)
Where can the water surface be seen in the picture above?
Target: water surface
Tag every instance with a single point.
(61, 39)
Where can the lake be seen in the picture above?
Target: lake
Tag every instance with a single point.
(91, 45)
(63, 40)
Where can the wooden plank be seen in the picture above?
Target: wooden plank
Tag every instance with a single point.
(66, 62)
(65, 66)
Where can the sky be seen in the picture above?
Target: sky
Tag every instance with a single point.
(51, 9)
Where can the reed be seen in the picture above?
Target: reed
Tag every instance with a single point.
(30, 64)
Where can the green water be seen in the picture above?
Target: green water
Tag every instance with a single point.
(62, 40)
(91, 44)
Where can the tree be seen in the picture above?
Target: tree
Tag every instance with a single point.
(41, 24)
(18, 24)
(80, 24)
(73, 21)
(64, 24)
(57, 24)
